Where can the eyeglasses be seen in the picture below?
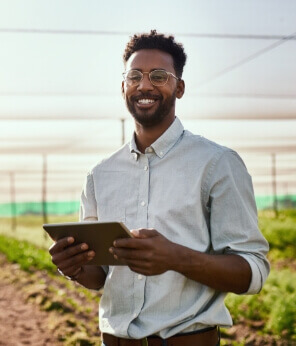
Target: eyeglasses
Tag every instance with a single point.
(156, 77)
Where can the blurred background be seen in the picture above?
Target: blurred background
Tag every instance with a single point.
(61, 109)
(61, 112)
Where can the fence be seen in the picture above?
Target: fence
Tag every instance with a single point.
(72, 207)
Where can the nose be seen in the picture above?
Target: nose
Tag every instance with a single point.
(145, 83)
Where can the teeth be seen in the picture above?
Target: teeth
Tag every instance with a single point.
(146, 101)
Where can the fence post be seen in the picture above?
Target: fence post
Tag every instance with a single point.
(44, 183)
(12, 202)
(274, 187)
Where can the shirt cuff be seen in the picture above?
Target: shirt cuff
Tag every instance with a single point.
(256, 280)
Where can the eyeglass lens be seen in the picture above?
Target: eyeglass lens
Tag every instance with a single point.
(157, 77)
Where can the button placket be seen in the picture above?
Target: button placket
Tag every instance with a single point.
(144, 186)
(142, 217)
(139, 293)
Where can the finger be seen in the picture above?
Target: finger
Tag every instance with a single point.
(144, 232)
(70, 271)
(60, 245)
(125, 254)
(76, 261)
(132, 256)
(137, 268)
(68, 252)
(131, 243)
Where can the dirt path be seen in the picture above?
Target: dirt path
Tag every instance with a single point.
(38, 310)
(21, 323)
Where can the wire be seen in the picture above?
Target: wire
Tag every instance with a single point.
(126, 33)
(243, 95)
(61, 31)
(57, 117)
(249, 58)
(59, 94)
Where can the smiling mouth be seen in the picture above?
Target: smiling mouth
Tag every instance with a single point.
(146, 101)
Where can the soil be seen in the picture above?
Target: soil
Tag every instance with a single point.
(38, 310)
(23, 321)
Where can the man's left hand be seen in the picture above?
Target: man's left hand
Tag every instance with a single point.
(148, 253)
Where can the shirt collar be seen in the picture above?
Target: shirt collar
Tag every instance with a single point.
(164, 143)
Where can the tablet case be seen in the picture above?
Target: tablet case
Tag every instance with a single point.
(98, 235)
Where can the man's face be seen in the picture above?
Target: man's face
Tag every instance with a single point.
(148, 104)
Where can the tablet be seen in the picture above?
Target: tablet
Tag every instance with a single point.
(98, 235)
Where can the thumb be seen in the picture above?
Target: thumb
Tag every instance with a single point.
(144, 233)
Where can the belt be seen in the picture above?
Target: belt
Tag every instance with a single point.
(205, 337)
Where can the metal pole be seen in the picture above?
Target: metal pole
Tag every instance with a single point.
(122, 130)
(12, 199)
(274, 186)
(44, 191)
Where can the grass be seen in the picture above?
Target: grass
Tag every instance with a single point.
(275, 305)
(280, 233)
(27, 255)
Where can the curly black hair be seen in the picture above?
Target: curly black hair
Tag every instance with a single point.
(153, 40)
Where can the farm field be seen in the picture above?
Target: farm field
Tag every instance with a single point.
(268, 318)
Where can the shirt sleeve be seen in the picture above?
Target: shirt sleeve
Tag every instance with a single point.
(233, 217)
(88, 205)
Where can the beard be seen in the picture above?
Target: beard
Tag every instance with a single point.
(147, 118)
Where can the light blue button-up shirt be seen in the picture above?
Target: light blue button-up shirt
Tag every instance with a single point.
(197, 194)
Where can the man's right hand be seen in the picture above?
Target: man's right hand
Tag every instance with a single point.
(70, 258)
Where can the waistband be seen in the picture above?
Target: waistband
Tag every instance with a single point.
(209, 336)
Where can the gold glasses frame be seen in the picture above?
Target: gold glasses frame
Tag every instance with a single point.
(140, 73)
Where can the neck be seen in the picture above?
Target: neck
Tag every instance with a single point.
(145, 136)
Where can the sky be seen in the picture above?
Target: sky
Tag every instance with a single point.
(60, 85)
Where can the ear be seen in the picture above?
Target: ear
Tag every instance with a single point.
(122, 89)
(180, 89)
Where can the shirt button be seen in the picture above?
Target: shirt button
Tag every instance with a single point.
(140, 277)
(134, 315)
(145, 168)
(161, 153)
(143, 203)
(149, 150)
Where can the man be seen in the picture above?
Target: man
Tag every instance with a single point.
(190, 205)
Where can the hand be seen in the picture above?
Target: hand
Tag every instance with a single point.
(148, 253)
(70, 258)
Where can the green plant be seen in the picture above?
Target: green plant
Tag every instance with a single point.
(26, 255)
(280, 233)
(276, 304)
(282, 319)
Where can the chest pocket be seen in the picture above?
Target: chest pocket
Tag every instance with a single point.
(116, 195)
